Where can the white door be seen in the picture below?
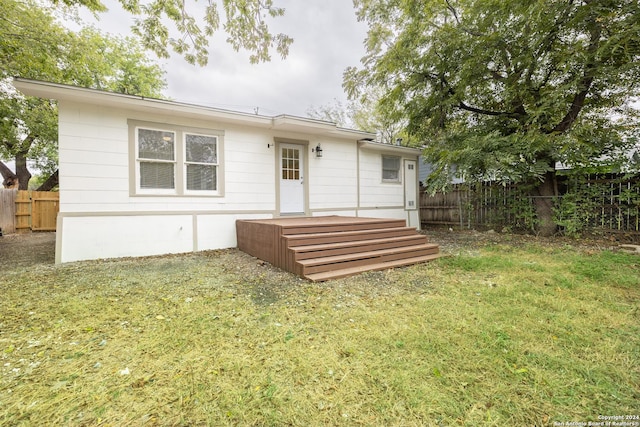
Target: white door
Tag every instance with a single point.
(410, 185)
(291, 179)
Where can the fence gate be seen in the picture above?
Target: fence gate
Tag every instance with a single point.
(23, 211)
(44, 210)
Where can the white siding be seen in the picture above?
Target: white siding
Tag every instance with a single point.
(333, 181)
(374, 193)
(100, 218)
(82, 238)
(95, 170)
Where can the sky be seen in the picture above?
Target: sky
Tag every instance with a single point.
(327, 40)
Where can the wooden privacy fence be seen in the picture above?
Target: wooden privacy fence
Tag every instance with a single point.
(23, 211)
(608, 203)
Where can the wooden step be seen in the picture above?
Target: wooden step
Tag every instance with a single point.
(331, 249)
(317, 265)
(315, 227)
(347, 236)
(345, 272)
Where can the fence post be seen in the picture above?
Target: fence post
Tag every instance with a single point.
(8, 211)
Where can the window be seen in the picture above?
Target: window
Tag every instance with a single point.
(157, 158)
(174, 161)
(390, 169)
(201, 162)
(290, 163)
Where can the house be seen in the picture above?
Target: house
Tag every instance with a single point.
(142, 176)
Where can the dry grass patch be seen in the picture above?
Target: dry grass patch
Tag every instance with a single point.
(503, 335)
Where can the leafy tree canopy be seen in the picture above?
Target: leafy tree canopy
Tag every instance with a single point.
(245, 24)
(33, 45)
(507, 89)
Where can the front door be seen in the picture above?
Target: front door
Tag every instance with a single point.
(291, 179)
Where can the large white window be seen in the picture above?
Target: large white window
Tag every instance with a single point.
(390, 169)
(175, 161)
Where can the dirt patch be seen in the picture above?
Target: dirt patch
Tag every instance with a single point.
(19, 251)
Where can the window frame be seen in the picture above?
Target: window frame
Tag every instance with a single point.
(180, 160)
(397, 180)
(139, 160)
(187, 162)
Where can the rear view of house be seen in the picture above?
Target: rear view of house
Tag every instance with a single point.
(144, 176)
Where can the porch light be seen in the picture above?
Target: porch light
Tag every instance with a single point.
(317, 150)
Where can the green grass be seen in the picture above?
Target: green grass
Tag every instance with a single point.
(505, 335)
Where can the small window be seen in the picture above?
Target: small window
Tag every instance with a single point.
(157, 156)
(201, 159)
(390, 169)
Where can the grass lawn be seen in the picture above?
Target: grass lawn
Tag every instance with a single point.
(502, 334)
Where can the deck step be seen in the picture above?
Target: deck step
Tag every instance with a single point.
(317, 265)
(347, 236)
(340, 248)
(345, 272)
(323, 248)
(312, 227)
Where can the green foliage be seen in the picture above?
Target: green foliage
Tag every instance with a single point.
(245, 24)
(366, 114)
(506, 89)
(591, 202)
(33, 45)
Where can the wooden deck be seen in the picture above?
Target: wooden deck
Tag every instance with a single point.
(324, 248)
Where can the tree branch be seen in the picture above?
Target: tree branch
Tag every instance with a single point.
(595, 31)
(50, 183)
(10, 179)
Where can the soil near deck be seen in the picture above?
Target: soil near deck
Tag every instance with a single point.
(22, 251)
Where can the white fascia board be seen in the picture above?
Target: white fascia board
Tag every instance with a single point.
(285, 123)
(389, 148)
(60, 92)
(316, 127)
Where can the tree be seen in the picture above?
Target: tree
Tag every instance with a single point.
(245, 24)
(367, 115)
(33, 45)
(508, 89)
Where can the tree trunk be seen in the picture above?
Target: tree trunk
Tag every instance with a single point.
(50, 183)
(10, 179)
(543, 197)
(22, 171)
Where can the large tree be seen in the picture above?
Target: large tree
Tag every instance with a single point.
(34, 45)
(507, 89)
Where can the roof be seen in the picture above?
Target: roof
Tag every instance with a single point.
(288, 123)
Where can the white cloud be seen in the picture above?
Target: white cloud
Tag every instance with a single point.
(327, 39)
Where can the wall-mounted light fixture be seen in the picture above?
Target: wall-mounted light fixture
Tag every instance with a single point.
(317, 150)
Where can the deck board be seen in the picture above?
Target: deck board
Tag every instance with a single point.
(314, 247)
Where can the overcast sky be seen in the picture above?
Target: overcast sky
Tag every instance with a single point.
(327, 39)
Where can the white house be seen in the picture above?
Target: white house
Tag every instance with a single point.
(143, 176)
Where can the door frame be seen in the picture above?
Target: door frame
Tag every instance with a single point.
(304, 157)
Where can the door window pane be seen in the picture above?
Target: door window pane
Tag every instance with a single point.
(290, 163)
